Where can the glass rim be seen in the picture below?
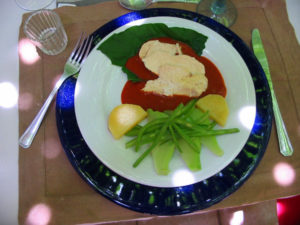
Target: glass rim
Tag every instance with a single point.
(36, 13)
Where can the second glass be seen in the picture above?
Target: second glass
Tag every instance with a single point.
(222, 11)
(33, 5)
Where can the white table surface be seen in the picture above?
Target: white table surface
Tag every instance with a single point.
(10, 17)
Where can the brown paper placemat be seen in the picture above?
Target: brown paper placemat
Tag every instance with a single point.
(49, 186)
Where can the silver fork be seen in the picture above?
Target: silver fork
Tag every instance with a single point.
(72, 66)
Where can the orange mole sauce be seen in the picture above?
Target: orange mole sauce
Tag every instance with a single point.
(133, 94)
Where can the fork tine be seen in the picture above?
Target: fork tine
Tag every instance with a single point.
(86, 49)
(79, 49)
(76, 46)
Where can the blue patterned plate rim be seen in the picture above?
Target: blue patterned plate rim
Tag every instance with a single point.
(176, 200)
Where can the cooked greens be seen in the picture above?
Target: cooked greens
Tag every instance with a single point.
(185, 129)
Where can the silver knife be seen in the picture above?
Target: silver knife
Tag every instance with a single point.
(91, 2)
(285, 145)
(60, 3)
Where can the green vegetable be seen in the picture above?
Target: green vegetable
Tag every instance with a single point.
(130, 75)
(152, 115)
(134, 131)
(191, 157)
(146, 139)
(212, 132)
(162, 155)
(212, 144)
(174, 138)
(121, 46)
(159, 134)
(186, 138)
(185, 128)
(200, 117)
(143, 130)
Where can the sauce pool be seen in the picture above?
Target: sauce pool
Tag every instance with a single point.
(133, 94)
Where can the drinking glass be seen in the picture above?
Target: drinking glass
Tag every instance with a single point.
(223, 11)
(45, 30)
(135, 4)
(33, 5)
(142, 4)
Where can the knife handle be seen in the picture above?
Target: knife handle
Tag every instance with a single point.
(285, 145)
(184, 1)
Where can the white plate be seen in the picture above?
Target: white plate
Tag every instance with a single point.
(98, 91)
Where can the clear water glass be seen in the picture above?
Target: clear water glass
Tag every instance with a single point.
(135, 4)
(33, 5)
(45, 30)
(223, 11)
(218, 7)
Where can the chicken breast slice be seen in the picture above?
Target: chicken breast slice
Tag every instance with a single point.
(159, 58)
(152, 46)
(174, 80)
(178, 74)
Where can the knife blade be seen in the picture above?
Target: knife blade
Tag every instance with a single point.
(60, 3)
(285, 145)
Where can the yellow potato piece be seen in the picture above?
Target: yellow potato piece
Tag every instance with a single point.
(217, 107)
(123, 118)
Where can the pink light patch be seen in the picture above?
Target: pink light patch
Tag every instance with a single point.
(25, 101)
(53, 148)
(280, 209)
(237, 218)
(39, 214)
(284, 174)
(27, 52)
